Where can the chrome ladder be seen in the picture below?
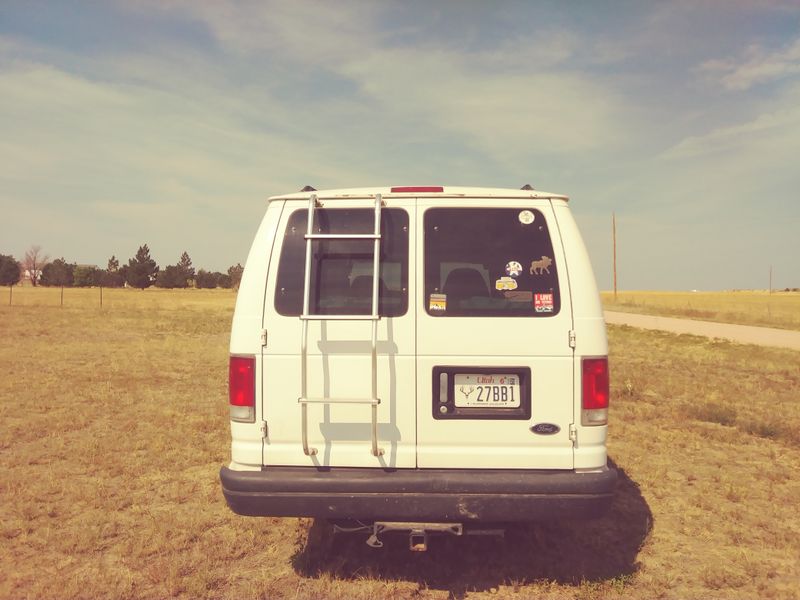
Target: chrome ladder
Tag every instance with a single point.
(305, 317)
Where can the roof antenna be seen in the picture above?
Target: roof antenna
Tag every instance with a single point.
(308, 188)
(527, 187)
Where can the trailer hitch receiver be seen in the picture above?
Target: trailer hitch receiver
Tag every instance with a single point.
(417, 532)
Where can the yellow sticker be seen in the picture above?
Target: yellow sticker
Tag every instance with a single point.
(438, 302)
(505, 283)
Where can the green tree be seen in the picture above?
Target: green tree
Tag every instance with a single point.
(170, 277)
(58, 273)
(235, 273)
(185, 269)
(206, 280)
(10, 272)
(112, 280)
(224, 280)
(123, 272)
(141, 270)
(113, 276)
(87, 276)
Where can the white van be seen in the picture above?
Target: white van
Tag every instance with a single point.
(466, 382)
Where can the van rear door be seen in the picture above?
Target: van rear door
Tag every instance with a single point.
(339, 362)
(495, 365)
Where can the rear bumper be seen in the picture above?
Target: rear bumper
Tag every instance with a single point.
(418, 494)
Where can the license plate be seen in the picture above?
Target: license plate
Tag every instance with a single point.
(495, 390)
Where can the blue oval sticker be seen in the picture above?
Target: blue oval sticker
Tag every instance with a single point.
(545, 429)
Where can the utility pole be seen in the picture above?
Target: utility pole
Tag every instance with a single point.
(770, 279)
(614, 238)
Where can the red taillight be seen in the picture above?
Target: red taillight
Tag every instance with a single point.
(417, 188)
(595, 391)
(595, 383)
(242, 388)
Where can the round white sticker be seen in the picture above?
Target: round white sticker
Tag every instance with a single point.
(526, 217)
(513, 268)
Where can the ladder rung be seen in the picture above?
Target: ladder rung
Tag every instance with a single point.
(339, 400)
(343, 236)
(340, 317)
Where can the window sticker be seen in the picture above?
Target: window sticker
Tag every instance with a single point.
(438, 302)
(513, 268)
(543, 303)
(505, 283)
(519, 296)
(539, 267)
(526, 217)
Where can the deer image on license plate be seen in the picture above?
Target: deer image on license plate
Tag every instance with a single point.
(495, 390)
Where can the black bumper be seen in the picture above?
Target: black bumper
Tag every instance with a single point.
(448, 495)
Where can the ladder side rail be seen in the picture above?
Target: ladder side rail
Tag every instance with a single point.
(312, 202)
(376, 257)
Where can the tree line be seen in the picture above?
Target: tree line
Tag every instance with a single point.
(141, 272)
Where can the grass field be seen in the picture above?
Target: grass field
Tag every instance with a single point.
(115, 426)
(779, 309)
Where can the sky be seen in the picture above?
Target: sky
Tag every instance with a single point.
(170, 122)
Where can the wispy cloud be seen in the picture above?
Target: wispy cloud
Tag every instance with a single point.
(512, 98)
(755, 66)
(312, 32)
(511, 115)
(152, 149)
(777, 131)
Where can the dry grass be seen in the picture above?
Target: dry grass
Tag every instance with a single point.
(114, 427)
(779, 309)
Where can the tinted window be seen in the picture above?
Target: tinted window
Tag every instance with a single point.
(341, 270)
(489, 262)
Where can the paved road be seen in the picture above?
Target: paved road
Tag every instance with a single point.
(745, 334)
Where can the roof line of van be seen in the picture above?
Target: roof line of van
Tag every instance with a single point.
(447, 192)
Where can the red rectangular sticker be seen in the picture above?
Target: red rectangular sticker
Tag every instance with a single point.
(543, 303)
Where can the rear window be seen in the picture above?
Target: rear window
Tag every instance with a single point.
(341, 270)
(489, 262)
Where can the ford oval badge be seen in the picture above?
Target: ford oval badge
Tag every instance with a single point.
(545, 429)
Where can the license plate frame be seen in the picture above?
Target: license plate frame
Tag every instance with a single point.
(492, 391)
(447, 403)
